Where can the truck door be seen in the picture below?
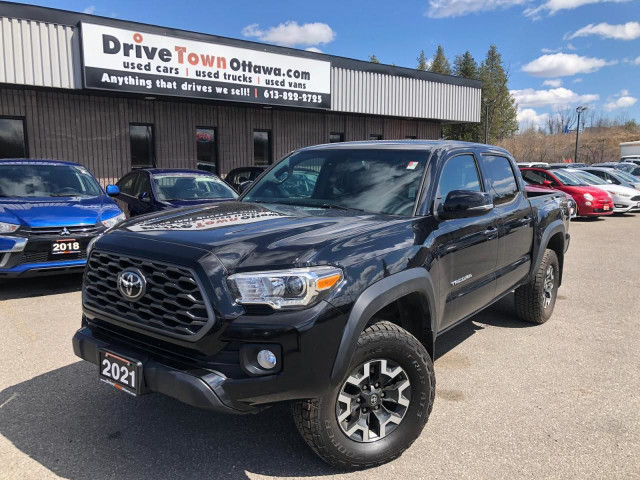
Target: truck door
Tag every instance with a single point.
(467, 248)
(515, 221)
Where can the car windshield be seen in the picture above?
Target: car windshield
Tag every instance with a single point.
(590, 178)
(626, 176)
(371, 180)
(626, 167)
(568, 179)
(46, 180)
(191, 187)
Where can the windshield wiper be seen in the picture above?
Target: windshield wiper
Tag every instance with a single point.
(338, 207)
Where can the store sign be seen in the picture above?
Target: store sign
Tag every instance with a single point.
(151, 64)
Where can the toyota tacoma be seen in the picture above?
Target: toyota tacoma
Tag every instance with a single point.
(326, 284)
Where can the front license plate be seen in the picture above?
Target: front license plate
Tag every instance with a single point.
(65, 246)
(120, 372)
(606, 207)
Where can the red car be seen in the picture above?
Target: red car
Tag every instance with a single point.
(591, 201)
(534, 191)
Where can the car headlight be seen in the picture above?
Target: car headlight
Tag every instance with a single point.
(8, 227)
(284, 289)
(588, 196)
(110, 222)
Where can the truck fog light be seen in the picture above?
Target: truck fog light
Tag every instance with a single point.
(267, 359)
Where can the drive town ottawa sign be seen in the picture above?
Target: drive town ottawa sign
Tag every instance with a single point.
(151, 64)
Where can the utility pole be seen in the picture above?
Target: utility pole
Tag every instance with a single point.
(579, 110)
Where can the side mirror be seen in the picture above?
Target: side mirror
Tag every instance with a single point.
(244, 186)
(465, 204)
(144, 196)
(547, 183)
(113, 191)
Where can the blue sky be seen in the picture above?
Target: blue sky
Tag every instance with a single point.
(559, 52)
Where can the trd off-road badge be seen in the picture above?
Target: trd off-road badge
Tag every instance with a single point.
(131, 284)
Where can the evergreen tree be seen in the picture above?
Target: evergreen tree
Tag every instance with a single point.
(422, 61)
(496, 98)
(440, 63)
(464, 66)
(373, 58)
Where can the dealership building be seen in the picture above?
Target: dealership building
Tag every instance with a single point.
(115, 95)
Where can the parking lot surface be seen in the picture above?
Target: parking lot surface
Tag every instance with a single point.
(560, 400)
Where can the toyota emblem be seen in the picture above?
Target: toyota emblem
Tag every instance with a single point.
(131, 284)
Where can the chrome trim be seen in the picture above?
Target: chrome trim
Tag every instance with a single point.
(482, 208)
(19, 245)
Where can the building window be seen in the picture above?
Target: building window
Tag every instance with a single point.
(206, 149)
(13, 141)
(261, 147)
(336, 137)
(375, 136)
(142, 145)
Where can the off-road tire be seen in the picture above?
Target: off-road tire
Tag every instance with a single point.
(529, 298)
(317, 421)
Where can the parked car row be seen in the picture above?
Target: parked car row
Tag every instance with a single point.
(601, 189)
(51, 210)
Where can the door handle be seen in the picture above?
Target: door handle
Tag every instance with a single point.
(490, 232)
(526, 220)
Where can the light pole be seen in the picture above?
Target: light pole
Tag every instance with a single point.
(579, 110)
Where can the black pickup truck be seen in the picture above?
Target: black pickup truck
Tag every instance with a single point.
(326, 284)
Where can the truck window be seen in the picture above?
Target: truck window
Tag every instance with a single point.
(459, 173)
(502, 180)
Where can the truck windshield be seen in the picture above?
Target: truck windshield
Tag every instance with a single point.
(371, 180)
(191, 187)
(32, 180)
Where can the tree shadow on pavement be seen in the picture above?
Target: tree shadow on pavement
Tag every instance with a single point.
(80, 428)
(39, 286)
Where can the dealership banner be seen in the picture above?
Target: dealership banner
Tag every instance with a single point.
(139, 62)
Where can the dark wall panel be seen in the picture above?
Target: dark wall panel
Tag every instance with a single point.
(94, 130)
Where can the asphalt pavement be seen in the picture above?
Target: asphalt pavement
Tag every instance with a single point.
(560, 400)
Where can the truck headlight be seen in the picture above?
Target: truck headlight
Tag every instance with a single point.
(8, 227)
(284, 289)
(110, 222)
(588, 196)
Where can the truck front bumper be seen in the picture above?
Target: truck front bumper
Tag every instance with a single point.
(202, 391)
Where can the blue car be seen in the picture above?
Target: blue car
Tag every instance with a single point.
(153, 189)
(49, 212)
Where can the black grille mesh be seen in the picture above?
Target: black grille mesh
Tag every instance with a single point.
(172, 302)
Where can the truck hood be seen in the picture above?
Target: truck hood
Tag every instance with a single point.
(246, 236)
(57, 211)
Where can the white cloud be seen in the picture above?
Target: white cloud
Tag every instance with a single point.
(556, 82)
(570, 46)
(313, 49)
(550, 50)
(529, 118)
(529, 97)
(636, 61)
(290, 34)
(554, 6)
(626, 31)
(459, 8)
(564, 64)
(624, 100)
(90, 10)
(576, 80)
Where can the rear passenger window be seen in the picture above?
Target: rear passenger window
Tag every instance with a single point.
(459, 173)
(501, 179)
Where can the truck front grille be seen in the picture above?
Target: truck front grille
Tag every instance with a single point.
(173, 301)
